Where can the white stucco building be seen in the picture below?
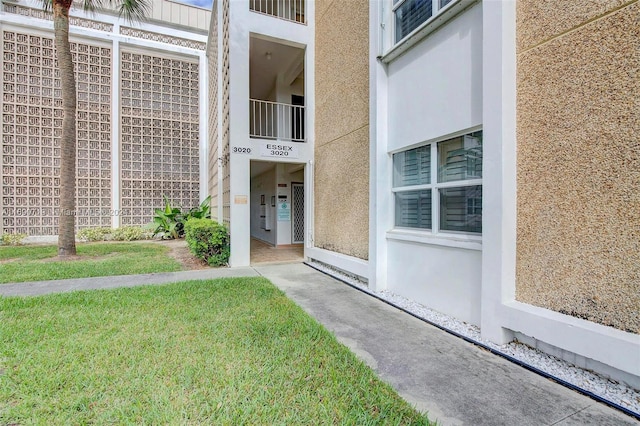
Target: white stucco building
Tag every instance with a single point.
(470, 155)
(417, 148)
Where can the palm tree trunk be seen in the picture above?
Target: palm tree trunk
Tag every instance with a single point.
(66, 218)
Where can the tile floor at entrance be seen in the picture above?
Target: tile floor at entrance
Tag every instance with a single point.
(262, 252)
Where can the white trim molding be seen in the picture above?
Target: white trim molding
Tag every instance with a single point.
(346, 263)
(593, 341)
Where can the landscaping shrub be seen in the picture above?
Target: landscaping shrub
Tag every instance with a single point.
(93, 234)
(203, 211)
(169, 221)
(13, 239)
(208, 240)
(129, 233)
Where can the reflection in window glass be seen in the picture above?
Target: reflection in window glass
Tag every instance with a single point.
(460, 158)
(412, 167)
(461, 209)
(413, 209)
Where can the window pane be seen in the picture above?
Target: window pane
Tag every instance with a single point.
(460, 158)
(461, 209)
(413, 209)
(412, 167)
(443, 3)
(410, 15)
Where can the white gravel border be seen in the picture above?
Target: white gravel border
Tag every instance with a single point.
(613, 391)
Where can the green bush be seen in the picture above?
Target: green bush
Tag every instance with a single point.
(208, 240)
(169, 221)
(13, 239)
(129, 233)
(93, 234)
(203, 211)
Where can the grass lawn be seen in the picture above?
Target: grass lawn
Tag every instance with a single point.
(35, 263)
(229, 351)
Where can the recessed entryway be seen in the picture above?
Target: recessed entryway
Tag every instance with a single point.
(262, 252)
(277, 211)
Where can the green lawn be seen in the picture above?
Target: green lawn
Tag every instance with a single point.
(229, 351)
(35, 263)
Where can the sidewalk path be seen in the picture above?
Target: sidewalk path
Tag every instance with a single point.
(37, 288)
(456, 382)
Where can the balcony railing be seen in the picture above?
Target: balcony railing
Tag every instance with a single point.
(291, 10)
(276, 120)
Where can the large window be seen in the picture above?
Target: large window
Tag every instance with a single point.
(438, 186)
(410, 14)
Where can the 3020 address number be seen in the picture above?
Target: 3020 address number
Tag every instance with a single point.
(241, 150)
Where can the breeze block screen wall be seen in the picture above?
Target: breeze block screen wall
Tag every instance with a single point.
(31, 130)
(160, 134)
(158, 141)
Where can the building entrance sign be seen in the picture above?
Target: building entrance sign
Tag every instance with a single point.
(278, 150)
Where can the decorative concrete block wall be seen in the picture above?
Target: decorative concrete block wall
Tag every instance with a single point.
(160, 134)
(213, 162)
(224, 149)
(155, 151)
(31, 131)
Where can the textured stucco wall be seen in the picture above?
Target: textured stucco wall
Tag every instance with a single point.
(342, 127)
(578, 247)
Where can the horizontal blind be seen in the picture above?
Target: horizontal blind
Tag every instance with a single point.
(410, 15)
(413, 209)
(461, 209)
(412, 167)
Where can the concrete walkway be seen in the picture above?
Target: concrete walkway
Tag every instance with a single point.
(455, 381)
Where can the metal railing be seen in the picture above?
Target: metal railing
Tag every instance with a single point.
(291, 10)
(276, 120)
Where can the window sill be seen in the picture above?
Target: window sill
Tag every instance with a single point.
(468, 242)
(425, 29)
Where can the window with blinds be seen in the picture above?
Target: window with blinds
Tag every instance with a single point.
(451, 201)
(410, 14)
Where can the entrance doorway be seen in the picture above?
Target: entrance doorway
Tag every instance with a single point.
(276, 211)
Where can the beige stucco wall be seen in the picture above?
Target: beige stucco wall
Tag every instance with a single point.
(578, 246)
(342, 127)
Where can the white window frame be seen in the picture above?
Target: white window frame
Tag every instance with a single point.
(397, 4)
(440, 15)
(425, 234)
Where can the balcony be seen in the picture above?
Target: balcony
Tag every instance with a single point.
(276, 90)
(276, 120)
(289, 10)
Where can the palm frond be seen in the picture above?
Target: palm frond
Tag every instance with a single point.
(91, 5)
(47, 5)
(133, 10)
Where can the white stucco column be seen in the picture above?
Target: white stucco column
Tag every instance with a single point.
(380, 197)
(499, 166)
(204, 125)
(115, 131)
(239, 133)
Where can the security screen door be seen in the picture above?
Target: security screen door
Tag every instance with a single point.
(297, 191)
